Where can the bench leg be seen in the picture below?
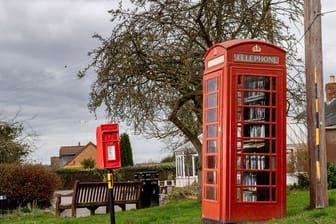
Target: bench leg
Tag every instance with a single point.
(92, 210)
(138, 205)
(123, 207)
(73, 211)
(58, 211)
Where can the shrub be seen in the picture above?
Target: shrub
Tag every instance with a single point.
(24, 184)
(88, 163)
(303, 181)
(331, 175)
(179, 193)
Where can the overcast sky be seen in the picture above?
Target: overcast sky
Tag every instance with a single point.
(43, 43)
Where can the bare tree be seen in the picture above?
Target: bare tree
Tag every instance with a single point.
(149, 71)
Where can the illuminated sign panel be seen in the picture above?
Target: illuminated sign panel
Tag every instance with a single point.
(216, 61)
(250, 58)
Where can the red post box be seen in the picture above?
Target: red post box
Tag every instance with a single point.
(244, 132)
(108, 146)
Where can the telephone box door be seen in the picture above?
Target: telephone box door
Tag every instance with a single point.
(258, 152)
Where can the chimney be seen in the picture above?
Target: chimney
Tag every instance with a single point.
(331, 89)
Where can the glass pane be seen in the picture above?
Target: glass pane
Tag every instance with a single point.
(211, 146)
(211, 131)
(253, 97)
(263, 178)
(239, 132)
(211, 162)
(249, 196)
(273, 99)
(238, 178)
(212, 100)
(239, 146)
(210, 193)
(267, 162)
(273, 130)
(257, 131)
(273, 178)
(263, 194)
(255, 113)
(238, 162)
(250, 180)
(254, 161)
(273, 194)
(211, 177)
(239, 114)
(212, 115)
(273, 146)
(238, 195)
(212, 85)
(256, 82)
(273, 162)
(273, 83)
(254, 144)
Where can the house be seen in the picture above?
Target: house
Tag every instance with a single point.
(330, 119)
(73, 156)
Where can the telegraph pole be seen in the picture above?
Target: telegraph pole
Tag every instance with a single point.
(315, 105)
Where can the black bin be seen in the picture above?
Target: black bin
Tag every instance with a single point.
(150, 195)
(3, 204)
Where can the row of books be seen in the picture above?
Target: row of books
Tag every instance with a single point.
(246, 196)
(250, 180)
(255, 83)
(255, 114)
(249, 196)
(255, 130)
(254, 162)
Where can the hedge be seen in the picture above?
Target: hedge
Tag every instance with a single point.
(69, 176)
(23, 184)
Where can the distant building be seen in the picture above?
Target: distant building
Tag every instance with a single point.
(330, 119)
(186, 158)
(73, 156)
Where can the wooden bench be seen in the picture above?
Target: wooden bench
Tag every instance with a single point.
(92, 195)
(127, 193)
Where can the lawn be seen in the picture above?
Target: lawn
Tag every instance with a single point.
(184, 212)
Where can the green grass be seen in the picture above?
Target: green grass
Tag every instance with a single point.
(184, 212)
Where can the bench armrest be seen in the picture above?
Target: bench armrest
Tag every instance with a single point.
(59, 197)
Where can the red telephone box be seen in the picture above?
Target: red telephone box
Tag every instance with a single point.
(108, 147)
(244, 132)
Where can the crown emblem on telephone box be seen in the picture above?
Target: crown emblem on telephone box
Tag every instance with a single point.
(256, 48)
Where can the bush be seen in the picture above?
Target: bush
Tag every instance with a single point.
(88, 163)
(303, 181)
(331, 175)
(24, 184)
(182, 193)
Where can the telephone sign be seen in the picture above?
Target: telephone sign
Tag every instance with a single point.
(108, 146)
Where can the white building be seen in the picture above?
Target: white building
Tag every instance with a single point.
(186, 165)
